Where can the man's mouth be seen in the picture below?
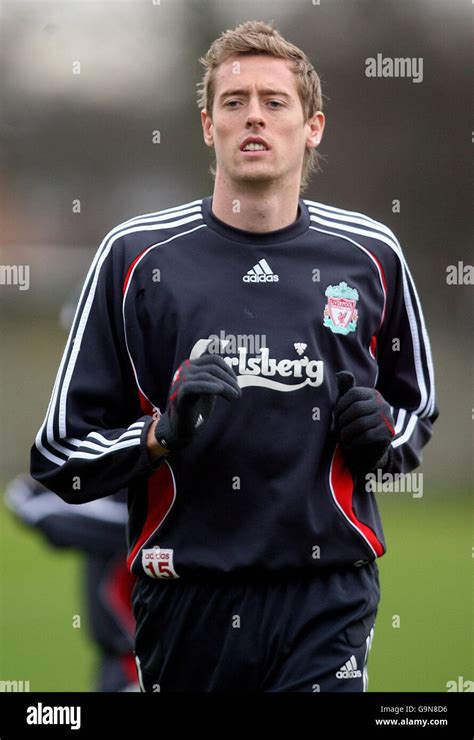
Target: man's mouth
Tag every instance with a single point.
(254, 145)
(255, 148)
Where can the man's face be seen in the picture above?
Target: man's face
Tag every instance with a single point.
(256, 96)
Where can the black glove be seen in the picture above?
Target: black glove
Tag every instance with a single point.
(192, 397)
(364, 425)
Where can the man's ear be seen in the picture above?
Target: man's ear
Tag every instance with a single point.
(316, 128)
(207, 128)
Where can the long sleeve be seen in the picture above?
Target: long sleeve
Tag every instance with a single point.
(93, 439)
(96, 528)
(406, 375)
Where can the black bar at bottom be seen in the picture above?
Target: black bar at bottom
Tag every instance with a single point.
(331, 715)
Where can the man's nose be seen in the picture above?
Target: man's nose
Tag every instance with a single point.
(255, 113)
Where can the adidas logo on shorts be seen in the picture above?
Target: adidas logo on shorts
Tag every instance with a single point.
(349, 669)
(261, 273)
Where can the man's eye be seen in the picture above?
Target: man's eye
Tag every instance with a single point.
(234, 103)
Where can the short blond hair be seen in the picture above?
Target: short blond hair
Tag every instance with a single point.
(257, 37)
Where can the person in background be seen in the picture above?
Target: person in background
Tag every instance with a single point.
(97, 530)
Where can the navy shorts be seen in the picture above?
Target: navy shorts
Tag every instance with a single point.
(298, 634)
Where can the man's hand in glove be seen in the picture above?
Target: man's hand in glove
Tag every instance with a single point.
(364, 426)
(191, 400)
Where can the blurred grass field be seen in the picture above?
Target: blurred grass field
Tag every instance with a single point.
(426, 579)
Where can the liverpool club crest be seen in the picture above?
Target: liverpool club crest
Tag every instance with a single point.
(340, 313)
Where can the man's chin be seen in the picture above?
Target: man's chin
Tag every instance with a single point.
(255, 176)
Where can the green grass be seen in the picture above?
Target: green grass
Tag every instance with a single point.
(40, 592)
(426, 579)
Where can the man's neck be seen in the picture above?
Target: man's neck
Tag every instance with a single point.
(253, 209)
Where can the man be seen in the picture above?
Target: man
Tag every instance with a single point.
(242, 363)
(97, 531)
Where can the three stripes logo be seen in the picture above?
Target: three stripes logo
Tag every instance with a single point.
(349, 669)
(261, 273)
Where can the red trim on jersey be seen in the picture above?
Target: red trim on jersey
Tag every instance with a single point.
(373, 346)
(384, 286)
(160, 497)
(129, 667)
(382, 271)
(147, 408)
(387, 423)
(343, 488)
(119, 595)
(129, 271)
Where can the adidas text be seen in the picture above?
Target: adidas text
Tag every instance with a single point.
(261, 273)
(260, 278)
(349, 669)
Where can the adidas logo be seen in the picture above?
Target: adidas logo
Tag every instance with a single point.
(349, 669)
(261, 273)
